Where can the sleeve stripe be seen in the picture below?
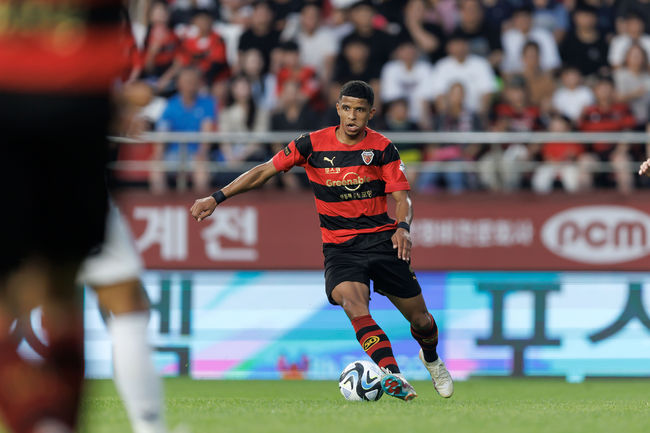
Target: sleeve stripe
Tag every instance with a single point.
(304, 146)
(390, 154)
(398, 186)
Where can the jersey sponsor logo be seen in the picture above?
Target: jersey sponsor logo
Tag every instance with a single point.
(331, 161)
(287, 150)
(598, 234)
(351, 181)
(367, 156)
(332, 170)
(370, 341)
(356, 196)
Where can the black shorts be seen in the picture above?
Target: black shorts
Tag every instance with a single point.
(369, 257)
(54, 155)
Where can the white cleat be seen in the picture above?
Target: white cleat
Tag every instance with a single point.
(441, 378)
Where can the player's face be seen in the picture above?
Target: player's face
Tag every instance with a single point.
(354, 114)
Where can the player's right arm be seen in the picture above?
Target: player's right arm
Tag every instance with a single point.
(295, 153)
(253, 178)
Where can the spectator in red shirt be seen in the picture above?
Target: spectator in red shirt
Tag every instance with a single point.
(204, 49)
(607, 115)
(160, 44)
(515, 113)
(292, 70)
(132, 55)
(562, 161)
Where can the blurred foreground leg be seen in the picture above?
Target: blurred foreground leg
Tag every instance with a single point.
(42, 397)
(134, 372)
(114, 274)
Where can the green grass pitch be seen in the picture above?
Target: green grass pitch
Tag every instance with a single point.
(479, 405)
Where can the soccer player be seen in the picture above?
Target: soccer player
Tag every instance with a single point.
(114, 274)
(352, 169)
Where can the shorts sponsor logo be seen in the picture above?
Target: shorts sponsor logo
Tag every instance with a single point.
(598, 234)
(351, 181)
(370, 341)
(287, 151)
(367, 156)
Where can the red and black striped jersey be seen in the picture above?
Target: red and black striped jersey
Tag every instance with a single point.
(207, 53)
(168, 48)
(350, 183)
(60, 46)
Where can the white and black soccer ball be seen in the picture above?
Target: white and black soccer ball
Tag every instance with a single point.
(361, 381)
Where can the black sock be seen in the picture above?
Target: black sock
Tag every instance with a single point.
(428, 340)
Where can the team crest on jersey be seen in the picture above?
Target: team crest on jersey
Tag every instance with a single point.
(367, 156)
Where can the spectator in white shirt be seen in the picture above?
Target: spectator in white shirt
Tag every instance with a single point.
(522, 30)
(633, 31)
(632, 82)
(401, 77)
(473, 72)
(318, 44)
(570, 99)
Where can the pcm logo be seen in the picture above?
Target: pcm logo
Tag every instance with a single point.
(598, 234)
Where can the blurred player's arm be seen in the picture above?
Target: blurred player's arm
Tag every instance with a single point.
(253, 178)
(645, 168)
(403, 214)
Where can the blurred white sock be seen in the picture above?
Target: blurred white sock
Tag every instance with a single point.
(135, 375)
(51, 426)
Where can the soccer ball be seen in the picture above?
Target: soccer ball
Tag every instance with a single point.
(361, 380)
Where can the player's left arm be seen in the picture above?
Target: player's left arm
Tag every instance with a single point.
(404, 215)
(392, 172)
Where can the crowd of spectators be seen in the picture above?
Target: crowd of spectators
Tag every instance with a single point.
(435, 65)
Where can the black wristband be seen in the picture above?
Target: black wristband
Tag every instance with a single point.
(404, 225)
(219, 196)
